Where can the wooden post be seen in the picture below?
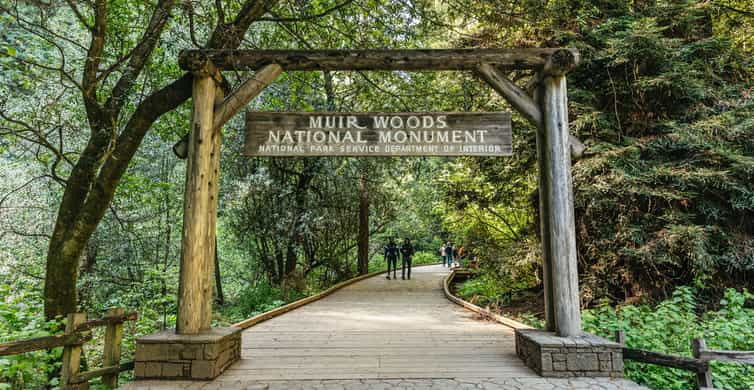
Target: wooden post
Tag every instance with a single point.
(556, 191)
(620, 337)
(111, 355)
(544, 227)
(703, 378)
(199, 208)
(72, 355)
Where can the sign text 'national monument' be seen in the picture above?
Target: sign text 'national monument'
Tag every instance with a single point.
(378, 134)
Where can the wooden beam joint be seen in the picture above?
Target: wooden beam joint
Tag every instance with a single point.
(511, 92)
(561, 62)
(225, 109)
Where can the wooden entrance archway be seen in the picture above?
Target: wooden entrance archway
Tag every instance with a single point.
(546, 107)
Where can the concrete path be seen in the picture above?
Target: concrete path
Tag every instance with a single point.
(383, 334)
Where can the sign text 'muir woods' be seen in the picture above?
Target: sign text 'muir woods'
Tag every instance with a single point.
(378, 134)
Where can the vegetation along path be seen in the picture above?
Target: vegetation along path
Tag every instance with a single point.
(381, 334)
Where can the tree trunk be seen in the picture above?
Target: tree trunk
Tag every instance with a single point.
(91, 185)
(220, 299)
(363, 262)
(61, 277)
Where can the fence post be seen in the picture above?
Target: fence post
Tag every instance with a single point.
(113, 336)
(72, 355)
(703, 378)
(620, 337)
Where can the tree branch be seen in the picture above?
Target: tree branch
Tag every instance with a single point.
(307, 17)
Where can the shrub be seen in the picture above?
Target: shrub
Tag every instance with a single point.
(669, 328)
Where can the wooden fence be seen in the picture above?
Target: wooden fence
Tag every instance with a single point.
(77, 332)
(699, 364)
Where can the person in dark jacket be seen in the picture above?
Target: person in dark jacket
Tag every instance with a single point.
(407, 253)
(449, 253)
(391, 257)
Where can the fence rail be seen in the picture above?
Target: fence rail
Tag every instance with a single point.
(78, 332)
(699, 364)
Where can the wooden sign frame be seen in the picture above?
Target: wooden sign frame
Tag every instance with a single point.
(543, 102)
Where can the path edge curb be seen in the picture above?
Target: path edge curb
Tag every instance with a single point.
(479, 310)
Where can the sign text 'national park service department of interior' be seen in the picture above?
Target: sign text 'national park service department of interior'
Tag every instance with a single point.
(378, 134)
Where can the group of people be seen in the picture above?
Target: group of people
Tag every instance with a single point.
(449, 254)
(449, 257)
(405, 252)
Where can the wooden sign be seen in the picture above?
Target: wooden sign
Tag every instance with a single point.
(378, 134)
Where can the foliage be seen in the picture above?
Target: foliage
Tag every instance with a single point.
(669, 328)
(495, 290)
(20, 312)
(663, 196)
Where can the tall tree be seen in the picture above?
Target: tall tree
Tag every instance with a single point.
(116, 129)
(363, 251)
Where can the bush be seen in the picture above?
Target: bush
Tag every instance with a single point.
(21, 318)
(669, 328)
(259, 299)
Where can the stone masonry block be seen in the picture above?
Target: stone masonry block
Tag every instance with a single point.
(153, 370)
(172, 370)
(546, 362)
(617, 361)
(140, 369)
(582, 362)
(203, 369)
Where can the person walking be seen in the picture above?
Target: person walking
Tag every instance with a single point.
(407, 253)
(442, 255)
(391, 257)
(449, 254)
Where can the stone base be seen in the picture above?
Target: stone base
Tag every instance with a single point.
(552, 356)
(167, 355)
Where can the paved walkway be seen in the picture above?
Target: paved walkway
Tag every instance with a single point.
(383, 334)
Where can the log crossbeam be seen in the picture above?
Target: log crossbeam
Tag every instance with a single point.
(550, 60)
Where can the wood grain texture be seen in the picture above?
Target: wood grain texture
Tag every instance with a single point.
(745, 357)
(544, 221)
(200, 203)
(107, 319)
(112, 347)
(375, 59)
(557, 193)
(249, 322)
(247, 91)
(44, 342)
(378, 134)
(71, 361)
(661, 359)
